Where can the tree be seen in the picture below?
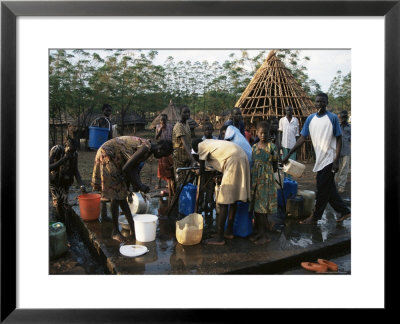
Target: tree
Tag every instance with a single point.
(340, 92)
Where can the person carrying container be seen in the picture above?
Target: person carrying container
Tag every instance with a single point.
(105, 121)
(117, 165)
(63, 163)
(326, 136)
(229, 159)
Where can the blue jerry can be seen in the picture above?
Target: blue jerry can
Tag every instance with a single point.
(187, 199)
(243, 223)
(289, 191)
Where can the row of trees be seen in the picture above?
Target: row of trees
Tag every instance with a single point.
(81, 81)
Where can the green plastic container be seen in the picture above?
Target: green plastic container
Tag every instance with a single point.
(57, 240)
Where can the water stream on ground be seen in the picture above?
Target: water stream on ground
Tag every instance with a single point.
(170, 255)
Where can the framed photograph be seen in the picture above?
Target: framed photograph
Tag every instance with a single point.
(29, 29)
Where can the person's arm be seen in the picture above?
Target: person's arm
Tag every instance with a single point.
(131, 168)
(158, 133)
(280, 134)
(202, 166)
(54, 165)
(299, 143)
(187, 149)
(337, 132)
(275, 156)
(297, 130)
(335, 166)
(279, 141)
(79, 179)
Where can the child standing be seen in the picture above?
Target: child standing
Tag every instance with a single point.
(263, 191)
(63, 163)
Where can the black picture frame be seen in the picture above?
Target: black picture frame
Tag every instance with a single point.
(10, 10)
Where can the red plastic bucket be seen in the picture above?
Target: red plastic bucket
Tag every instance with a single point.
(89, 206)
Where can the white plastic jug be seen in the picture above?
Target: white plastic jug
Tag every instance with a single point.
(189, 230)
(294, 168)
(309, 201)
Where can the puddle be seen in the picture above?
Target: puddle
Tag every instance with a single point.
(167, 256)
(296, 235)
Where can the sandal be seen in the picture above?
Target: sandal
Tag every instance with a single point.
(344, 217)
(309, 221)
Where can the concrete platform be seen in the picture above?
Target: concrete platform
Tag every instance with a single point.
(293, 244)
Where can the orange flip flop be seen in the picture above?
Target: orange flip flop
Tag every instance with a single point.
(316, 267)
(331, 265)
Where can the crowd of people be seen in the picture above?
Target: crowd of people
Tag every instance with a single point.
(234, 166)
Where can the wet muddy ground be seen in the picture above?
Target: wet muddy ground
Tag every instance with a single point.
(292, 243)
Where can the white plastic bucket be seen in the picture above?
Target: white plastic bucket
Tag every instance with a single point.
(145, 227)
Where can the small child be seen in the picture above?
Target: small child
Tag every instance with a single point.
(208, 129)
(263, 191)
(63, 169)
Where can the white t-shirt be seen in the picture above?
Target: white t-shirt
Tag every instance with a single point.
(289, 131)
(323, 131)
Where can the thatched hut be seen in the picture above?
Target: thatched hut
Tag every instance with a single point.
(270, 91)
(58, 127)
(173, 113)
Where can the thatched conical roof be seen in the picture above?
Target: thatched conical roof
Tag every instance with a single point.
(173, 113)
(273, 88)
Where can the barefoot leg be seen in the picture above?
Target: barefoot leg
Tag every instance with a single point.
(309, 221)
(118, 237)
(231, 219)
(220, 222)
(127, 212)
(114, 214)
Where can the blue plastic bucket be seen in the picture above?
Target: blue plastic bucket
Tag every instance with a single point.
(243, 223)
(97, 136)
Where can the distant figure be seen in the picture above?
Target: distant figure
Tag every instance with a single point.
(229, 159)
(236, 120)
(165, 164)
(263, 190)
(117, 166)
(273, 133)
(345, 153)
(182, 144)
(208, 129)
(288, 133)
(326, 136)
(248, 136)
(105, 121)
(63, 163)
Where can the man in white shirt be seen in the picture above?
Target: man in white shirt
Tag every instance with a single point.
(288, 132)
(326, 136)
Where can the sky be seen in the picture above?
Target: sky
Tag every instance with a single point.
(322, 66)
